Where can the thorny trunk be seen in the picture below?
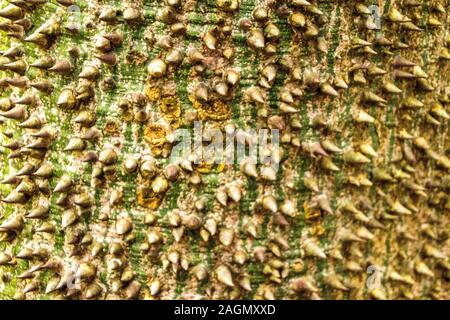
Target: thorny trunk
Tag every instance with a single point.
(92, 90)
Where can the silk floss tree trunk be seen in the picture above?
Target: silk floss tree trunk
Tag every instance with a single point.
(353, 205)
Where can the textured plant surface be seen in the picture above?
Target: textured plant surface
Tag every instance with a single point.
(92, 207)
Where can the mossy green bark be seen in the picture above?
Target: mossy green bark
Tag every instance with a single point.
(410, 251)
